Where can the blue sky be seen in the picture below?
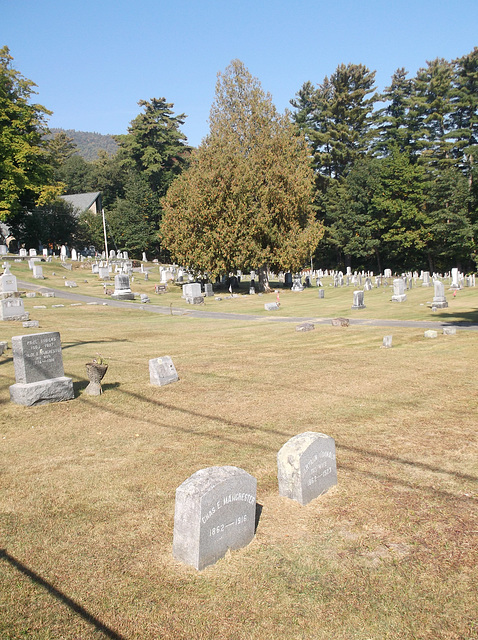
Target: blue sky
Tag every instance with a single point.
(93, 60)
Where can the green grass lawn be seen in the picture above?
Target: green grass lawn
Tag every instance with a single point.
(88, 486)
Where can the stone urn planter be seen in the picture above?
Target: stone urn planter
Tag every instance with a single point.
(95, 372)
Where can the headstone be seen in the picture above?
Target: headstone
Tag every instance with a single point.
(305, 326)
(3, 249)
(215, 511)
(122, 289)
(12, 309)
(340, 322)
(368, 284)
(144, 257)
(94, 268)
(74, 255)
(162, 371)
(321, 293)
(439, 300)
(306, 466)
(38, 272)
(387, 342)
(32, 252)
(103, 273)
(8, 282)
(271, 306)
(455, 282)
(387, 273)
(23, 253)
(430, 333)
(358, 300)
(192, 293)
(288, 279)
(70, 283)
(208, 290)
(399, 294)
(297, 285)
(39, 373)
(449, 331)
(426, 279)
(31, 324)
(144, 298)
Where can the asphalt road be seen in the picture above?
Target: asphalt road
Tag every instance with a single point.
(69, 294)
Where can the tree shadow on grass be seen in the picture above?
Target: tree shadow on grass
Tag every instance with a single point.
(59, 595)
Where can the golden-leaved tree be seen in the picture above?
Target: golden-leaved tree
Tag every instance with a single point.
(246, 200)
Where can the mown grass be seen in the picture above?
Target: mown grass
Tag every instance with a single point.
(88, 486)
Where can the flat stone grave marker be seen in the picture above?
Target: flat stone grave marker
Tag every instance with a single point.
(39, 373)
(449, 331)
(271, 306)
(305, 326)
(13, 309)
(340, 322)
(306, 466)
(215, 511)
(431, 333)
(162, 371)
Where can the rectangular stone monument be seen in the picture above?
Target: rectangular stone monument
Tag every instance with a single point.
(162, 371)
(215, 510)
(3, 249)
(321, 293)
(399, 294)
(39, 373)
(103, 273)
(358, 300)
(306, 466)
(426, 279)
(8, 283)
(439, 300)
(12, 309)
(122, 289)
(32, 252)
(38, 272)
(23, 253)
(208, 290)
(455, 280)
(192, 293)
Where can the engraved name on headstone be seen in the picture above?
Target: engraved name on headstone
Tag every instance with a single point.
(215, 511)
(306, 466)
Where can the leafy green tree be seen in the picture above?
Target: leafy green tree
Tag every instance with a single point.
(26, 177)
(50, 225)
(246, 199)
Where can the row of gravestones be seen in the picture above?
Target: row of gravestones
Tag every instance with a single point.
(215, 508)
(39, 372)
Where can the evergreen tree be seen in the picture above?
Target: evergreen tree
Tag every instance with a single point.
(246, 200)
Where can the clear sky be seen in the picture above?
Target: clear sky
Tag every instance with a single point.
(93, 60)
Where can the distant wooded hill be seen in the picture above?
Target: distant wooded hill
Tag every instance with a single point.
(89, 143)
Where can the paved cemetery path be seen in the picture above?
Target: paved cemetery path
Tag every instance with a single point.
(203, 313)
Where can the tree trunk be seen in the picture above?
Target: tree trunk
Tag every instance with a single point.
(379, 265)
(264, 286)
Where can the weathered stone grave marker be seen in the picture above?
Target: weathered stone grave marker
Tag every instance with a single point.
(13, 309)
(215, 511)
(192, 293)
(439, 299)
(122, 289)
(39, 372)
(162, 371)
(358, 300)
(306, 466)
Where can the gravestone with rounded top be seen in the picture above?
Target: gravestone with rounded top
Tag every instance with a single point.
(306, 466)
(39, 372)
(215, 511)
(122, 289)
(358, 300)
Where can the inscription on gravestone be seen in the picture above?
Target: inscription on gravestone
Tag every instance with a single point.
(306, 466)
(215, 511)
